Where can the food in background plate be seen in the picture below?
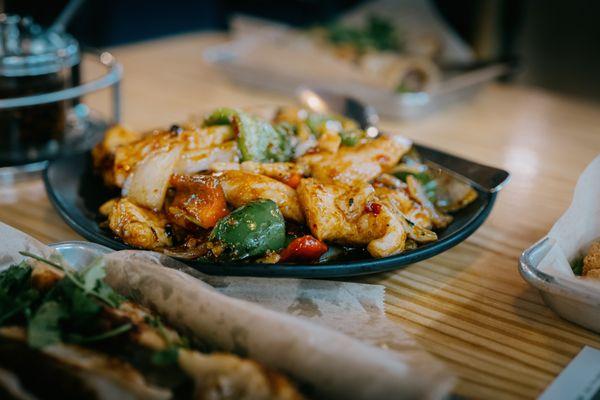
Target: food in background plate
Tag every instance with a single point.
(589, 266)
(302, 187)
(67, 334)
(378, 49)
(372, 56)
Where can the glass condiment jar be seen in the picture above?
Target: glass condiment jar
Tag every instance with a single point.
(34, 61)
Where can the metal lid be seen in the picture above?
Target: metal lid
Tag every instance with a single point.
(26, 49)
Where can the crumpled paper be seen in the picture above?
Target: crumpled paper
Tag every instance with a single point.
(333, 337)
(575, 230)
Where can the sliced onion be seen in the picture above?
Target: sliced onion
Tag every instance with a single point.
(147, 185)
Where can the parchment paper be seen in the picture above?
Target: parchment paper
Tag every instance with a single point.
(331, 362)
(576, 229)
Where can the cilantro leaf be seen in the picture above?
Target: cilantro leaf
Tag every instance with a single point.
(166, 357)
(108, 295)
(92, 274)
(44, 327)
(75, 338)
(577, 266)
(15, 293)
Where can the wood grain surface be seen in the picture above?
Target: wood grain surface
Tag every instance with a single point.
(468, 306)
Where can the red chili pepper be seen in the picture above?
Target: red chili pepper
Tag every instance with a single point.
(305, 248)
(293, 181)
(373, 208)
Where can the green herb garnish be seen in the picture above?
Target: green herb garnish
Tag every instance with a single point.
(577, 266)
(15, 293)
(377, 34)
(167, 356)
(105, 335)
(88, 280)
(67, 312)
(43, 329)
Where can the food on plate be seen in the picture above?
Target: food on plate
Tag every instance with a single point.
(370, 54)
(377, 48)
(300, 187)
(589, 266)
(65, 333)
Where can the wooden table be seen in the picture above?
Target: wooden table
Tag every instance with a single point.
(468, 306)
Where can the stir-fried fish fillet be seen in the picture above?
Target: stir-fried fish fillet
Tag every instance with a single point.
(138, 226)
(243, 187)
(363, 162)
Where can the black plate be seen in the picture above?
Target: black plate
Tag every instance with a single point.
(77, 193)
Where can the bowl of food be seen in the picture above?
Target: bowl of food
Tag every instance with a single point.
(298, 193)
(564, 265)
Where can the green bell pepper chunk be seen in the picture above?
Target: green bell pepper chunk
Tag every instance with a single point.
(221, 116)
(352, 137)
(259, 141)
(251, 230)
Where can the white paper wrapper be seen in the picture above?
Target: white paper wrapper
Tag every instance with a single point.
(416, 19)
(575, 230)
(331, 364)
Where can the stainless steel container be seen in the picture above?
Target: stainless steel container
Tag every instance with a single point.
(572, 303)
(43, 114)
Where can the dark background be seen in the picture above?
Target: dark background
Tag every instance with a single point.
(556, 42)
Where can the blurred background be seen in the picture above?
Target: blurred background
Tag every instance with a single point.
(555, 43)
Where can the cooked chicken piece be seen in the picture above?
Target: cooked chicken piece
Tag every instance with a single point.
(286, 172)
(199, 201)
(414, 219)
(363, 162)
(224, 166)
(592, 274)
(290, 114)
(243, 187)
(193, 161)
(201, 138)
(200, 148)
(330, 141)
(452, 194)
(591, 262)
(226, 376)
(138, 226)
(362, 215)
(107, 206)
(410, 209)
(127, 157)
(390, 181)
(103, 154)
(337, 213)
(416, 191)
(44, 276)
(393, 241)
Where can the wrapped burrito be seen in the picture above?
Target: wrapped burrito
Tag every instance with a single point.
(128, 327)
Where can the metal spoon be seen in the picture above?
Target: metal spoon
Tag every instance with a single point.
(63, 19)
